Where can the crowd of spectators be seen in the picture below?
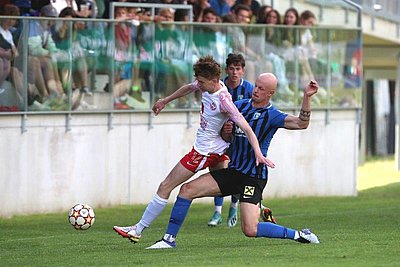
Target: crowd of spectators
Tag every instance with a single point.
(52, 45)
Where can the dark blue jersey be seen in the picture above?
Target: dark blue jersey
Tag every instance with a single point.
(264, 122)
(243, 91)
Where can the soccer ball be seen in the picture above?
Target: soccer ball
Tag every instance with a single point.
(81, 216)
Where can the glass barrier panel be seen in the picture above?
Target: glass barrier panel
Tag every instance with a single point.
(70, 65)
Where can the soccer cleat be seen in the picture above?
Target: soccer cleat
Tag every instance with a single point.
(162, 244)
(266, 215)
(232, 217)
(305, 236)
(215, 219)
(128, 232)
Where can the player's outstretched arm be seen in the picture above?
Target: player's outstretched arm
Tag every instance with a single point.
(182, 91)
(303, 120)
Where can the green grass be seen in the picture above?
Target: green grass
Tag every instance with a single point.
(354, 231)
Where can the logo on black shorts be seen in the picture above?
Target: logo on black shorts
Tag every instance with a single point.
(248, 191)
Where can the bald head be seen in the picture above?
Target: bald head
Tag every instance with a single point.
(268, 80)
(264, 89)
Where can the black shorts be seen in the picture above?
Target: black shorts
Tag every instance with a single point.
(231, 182)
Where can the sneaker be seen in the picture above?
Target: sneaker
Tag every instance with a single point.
(266, 215)
(161, 244)
(36, 106)
(128, 232)
(215, 219)
(119, 105)
(86, 91)
(232, 217)
(305, 236)
(136, 93)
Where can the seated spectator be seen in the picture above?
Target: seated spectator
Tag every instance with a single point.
(254, 6)
(273, 39)
(206, 36)
(273, 35)
(86, 8)
(198, 9)
(289, 36)
(237, 40)
(307, 51)
(172, 55)
(261, 15)
(221, 7)
(42, 46)
(8, 53)
(70, 50)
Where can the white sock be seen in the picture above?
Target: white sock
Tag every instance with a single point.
(234, 205)
(218, 209)
(296, 235)
(153, 210)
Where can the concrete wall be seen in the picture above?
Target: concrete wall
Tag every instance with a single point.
(48, 169)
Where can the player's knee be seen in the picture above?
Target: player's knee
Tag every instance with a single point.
(249, 230)
(187, 191)
(164, 189)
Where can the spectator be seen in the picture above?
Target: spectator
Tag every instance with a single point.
(289, 36)
(262, 13)
(70, 49)
(198, 9)
(86, 8)
(221, 7)
(42, 46)
(171, 52)
(238, 40)
(254, 6)
(307, 50)
(8, 52)
(273, 35)
(207, 36)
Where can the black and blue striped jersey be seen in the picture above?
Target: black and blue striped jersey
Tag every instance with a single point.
(243, 91)
(264, 122)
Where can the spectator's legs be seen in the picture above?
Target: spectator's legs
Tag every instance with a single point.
(35, 75)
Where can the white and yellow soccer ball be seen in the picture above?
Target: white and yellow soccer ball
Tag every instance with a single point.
(81, 216)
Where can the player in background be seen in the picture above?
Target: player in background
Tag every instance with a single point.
(209, 147)
(239, 88)
(244, 176)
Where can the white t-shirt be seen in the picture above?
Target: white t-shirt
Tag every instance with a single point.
(216, 109)
(7, 36)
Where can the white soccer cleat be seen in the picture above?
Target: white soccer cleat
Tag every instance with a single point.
(162, 244)
(128, 232)
(305, 236)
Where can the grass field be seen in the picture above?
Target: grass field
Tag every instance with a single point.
(354, 231)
